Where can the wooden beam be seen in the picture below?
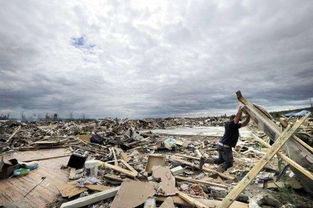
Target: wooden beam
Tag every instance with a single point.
(200, 181)
(119, 169)
(187, 156)
(191, 200)
(114, 155)
(13, 134)
(228, 177)
(286, 159)
(280, 141)
(90, 199)
(129, 166)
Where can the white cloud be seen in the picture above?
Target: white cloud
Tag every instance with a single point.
(153, 58)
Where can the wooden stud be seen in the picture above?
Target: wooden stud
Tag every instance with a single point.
(200, 181)
(191, 200)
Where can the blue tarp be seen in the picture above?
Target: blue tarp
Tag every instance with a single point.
(300, 113)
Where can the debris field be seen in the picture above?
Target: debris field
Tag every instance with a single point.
(150, 163)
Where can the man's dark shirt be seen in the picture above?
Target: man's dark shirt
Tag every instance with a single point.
(231, 134)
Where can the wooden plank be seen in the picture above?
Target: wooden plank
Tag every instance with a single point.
(114, 155)
(209, 203)
(191, 200)
(70, 189)
(228, 177)
(119, 169)
(187, 156)
(90, 199)
(97, 187)
(280, 141)
(129, 167)
(286, 159)
(13, 134)
(200, 181)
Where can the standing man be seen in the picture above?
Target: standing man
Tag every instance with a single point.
(229, 140)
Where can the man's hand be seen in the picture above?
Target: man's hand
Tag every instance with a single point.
(238, 115)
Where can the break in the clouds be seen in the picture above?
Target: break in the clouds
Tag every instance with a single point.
(153, 58)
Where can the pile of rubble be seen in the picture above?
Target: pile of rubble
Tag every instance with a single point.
(120, 163)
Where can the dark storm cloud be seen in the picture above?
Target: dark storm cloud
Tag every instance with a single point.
(156, 58)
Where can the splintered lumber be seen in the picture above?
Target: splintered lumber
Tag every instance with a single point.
(129, 167)
(285, 158)
(90, 199)
(187, 156)
(114, 155)
(228, 177)
(280, 141)
(119, 169)
(12, 135)
(200, 181)
(209, 203)
(191, 200)
(295, 148)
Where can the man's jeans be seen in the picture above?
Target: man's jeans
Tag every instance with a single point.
(225, 157)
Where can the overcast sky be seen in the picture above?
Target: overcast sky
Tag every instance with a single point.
(153, 58)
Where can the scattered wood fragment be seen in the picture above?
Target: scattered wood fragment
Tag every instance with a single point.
(113, 177)
(133, 194)
(119, 169)
(125, 157)
(90, 199)
(187, 156)
(114, 155)
(70, 189)
(228, 177)
(191, 200)
(129, 167)
(13, 134)
(154, 160)
(200, 181)
(168, 203)
(167, 185)
(97, 187)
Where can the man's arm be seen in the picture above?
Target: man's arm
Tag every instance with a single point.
(238, 115)
(245, 123)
